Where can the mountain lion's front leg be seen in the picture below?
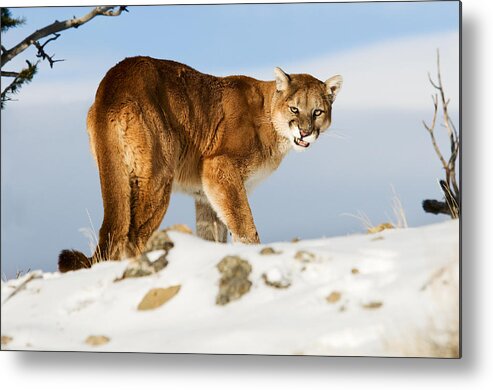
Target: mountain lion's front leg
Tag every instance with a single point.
(226, 193)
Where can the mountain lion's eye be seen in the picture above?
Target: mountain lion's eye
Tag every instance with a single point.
(294, 110)
(317, 112)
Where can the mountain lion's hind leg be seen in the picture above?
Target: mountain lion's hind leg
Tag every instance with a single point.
(150, 200)
(208, 225)
(150, 140)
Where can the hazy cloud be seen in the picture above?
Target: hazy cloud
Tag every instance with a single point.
(390, 74)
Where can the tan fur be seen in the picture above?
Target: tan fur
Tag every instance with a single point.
(158, 126)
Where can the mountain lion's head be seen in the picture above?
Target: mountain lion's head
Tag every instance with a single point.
(302, 106)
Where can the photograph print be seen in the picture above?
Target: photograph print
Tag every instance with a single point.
(218, 179)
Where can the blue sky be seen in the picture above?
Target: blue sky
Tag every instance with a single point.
(383, 50)
(226, 36)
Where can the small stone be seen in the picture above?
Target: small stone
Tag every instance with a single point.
(160, 263)
(304, 256)
(159, 240)
(355, 271)
(275, 278)
(142, 266)
(234, 281)
(97, 340)
(6, 339)
(372, 305)
(138, 268)
(180, 227)
(157, 297)
(333, 297)
(269, 251)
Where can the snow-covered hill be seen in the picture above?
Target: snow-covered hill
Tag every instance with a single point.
(394, 293)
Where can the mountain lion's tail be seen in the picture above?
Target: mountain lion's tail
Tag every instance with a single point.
(70, 260)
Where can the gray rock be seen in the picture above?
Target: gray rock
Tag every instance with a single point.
(234, 281)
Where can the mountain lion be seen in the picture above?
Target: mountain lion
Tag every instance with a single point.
(159, 126)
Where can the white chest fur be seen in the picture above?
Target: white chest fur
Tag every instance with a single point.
(266, 169)
(257, 177)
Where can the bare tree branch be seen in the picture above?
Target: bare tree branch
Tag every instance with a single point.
(9, 74)
(449, 186)
(431, 130)
(41, 50)
(25, 75)
(55, 27)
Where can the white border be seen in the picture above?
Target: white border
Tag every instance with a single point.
(122, 371)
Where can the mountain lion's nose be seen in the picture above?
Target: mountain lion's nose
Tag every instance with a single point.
(305, 133)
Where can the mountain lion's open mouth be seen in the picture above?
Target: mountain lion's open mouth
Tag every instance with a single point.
(300, 142)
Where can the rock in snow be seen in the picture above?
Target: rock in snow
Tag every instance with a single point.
(216, 298)
(234, 279)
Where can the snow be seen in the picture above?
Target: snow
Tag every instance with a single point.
(394, 293)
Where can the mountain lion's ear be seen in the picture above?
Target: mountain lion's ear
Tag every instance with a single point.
(333, 85)
(282, 79)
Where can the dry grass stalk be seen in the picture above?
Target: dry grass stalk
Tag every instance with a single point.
(398, 210)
